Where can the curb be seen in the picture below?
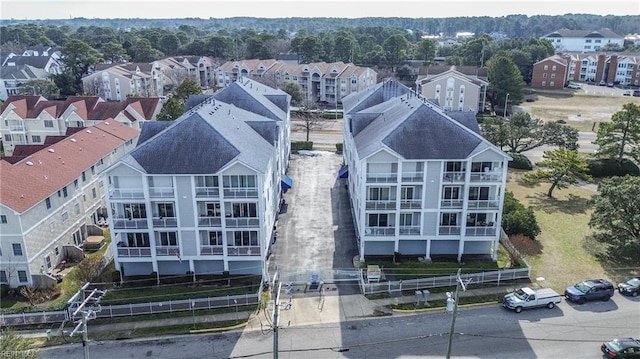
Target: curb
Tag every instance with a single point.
(409, 311)
(214, 330)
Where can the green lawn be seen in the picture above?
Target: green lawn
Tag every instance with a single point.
(563, 253)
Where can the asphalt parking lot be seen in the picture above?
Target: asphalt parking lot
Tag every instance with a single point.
(315, 231)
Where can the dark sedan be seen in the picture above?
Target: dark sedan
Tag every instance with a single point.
(621, 348)
(630, 287)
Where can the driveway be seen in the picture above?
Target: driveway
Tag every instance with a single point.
(315, 233)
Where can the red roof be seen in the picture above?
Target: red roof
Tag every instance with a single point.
(38, 176)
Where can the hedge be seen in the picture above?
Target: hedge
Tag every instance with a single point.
(301, 145)
(520, 162)
(607, 167)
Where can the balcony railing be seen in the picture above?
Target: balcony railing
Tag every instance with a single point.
(207, 192)
(134, 252)
(242, 222)
(382, 177)
(17, 128)
(167, 250)
(412, 176)
(161, 192)
(483, 204)
(411, 203)
(165, 222)
(243, 251)
(481, 231)
(208, 250)
(128, 193)
(486, 176)
(126, 223)
(448, 230)
(407, 230)
(379, 231)
(453, 176)
(249, 192)
(387, 204)
(451, 203)
(209, 221)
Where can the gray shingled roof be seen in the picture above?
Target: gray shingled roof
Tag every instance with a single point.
(194, 100)
(415, 129)
(466, 118)
(583, 33)
(378, 94)
(257, 101)
(152, 128)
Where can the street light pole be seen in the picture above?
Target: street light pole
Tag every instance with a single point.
(455, 311)
(506, 101)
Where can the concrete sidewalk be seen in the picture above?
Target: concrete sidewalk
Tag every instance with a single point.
(304, 310)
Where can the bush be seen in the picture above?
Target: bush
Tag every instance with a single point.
(301, 145)
(518, 219)
(332, 115)
(520, 162)
(339, 147)
(607, 167)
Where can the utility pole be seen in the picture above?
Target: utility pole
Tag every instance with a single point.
(506, 101)
(277, 285)
(455, 310)
(85, 306)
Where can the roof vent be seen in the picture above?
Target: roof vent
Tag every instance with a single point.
(106, 122)
(51, 150)
(88, 131)
(29, 163)
(73, 140)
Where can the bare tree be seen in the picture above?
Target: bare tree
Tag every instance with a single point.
(88, 268)
(175, 77)
(310, 116)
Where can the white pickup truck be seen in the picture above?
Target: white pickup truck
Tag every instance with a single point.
(528, 298)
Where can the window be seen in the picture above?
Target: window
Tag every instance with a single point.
(167, 239)
(47, 261)
(22, 276)
(84, 177)
(239, 181)
(478, 193)
(244, 210)
(378, 220)
(544, 75)
(17, 249)
(212, 239)
(553, 68)
(64, 192)
(3, 277)
(546, 67)
(7, 137)
(36, 139)
(207, 181)
(57, 251)
(135, 210)
(407, 219)
(75, 183)
(407, 193)
(213, 209)
(245, 238)
(553, 76)
(76, 208)
(481, 166)
(65, 216)
(3, 219)
(48, 123)
(59, 194)
(166, 210)
(449, 219)
(138, 239)
(454, 166)
(450, 192)
(94, 194)
(379, 194)
(93, 170)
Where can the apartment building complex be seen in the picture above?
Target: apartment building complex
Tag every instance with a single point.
(565, 40)
(51, 198)
(454, 88)
(421, 182)
(35, 63)
(202, 193)
(319, 81)
(30, 120)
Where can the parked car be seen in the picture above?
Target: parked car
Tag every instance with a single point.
(630, 287)
(574, 86)
(528, 298)
(621, 348)
(591, 289)
(602, 83)
(610, 84)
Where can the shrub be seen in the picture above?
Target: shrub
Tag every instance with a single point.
(518, 219)
(331, 115)
(301, 145)
(520, 162)
(607, 167)
(339, 147)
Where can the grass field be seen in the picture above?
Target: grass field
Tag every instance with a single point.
(563, 253)
(579, 109)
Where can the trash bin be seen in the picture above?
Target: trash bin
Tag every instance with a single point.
(425, 295)
(418, 296)
(450, 302)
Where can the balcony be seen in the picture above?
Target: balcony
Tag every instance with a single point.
(382, 177)
(483, 204)
(249, 192)
(453, 176)
(207, 250)
(209, 221)
(243, 251)
(134, 252)
(126, 193)
(409, 230)
(242, 222)
(488, 230)
(379, 231)
(412, 176)
(411, 203)
(451, 203)
(165, 222)
(386, 204)
(448, 230)
(126, 223)
(161, 192)
(492, 176)
(17, 128)
(167, 250)
(208, 192)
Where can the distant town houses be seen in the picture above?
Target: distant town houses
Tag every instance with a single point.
(319, 81)
(454, 88)
(556, 71)
(565, 40)
(52, 203)
(35, 63)
(30, 120)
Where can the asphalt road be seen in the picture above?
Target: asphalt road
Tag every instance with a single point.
(567, 331)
